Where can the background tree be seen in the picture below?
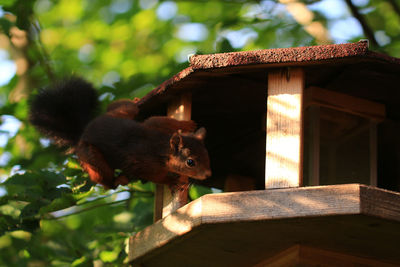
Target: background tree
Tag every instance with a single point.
(50, 214)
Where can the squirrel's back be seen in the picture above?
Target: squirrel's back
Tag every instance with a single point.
(62, 111)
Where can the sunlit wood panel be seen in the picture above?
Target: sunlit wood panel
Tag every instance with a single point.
(283, 166)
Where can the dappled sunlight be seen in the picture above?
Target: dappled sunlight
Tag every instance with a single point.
(283, 139)
(184, 219)
(308, 202)
(174, 225)
(262, 206)
(351, 198)
(287, 174)
(286, 104)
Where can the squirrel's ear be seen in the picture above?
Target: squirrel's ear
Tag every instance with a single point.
(200, 133)
(176, 142)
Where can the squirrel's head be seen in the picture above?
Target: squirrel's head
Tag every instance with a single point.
(189, 156)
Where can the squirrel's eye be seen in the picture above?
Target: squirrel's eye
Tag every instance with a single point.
(190, 163)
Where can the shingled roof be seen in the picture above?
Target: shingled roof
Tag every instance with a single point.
(289, 56)
(234, 62)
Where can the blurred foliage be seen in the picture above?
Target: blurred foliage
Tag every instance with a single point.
(51, 215)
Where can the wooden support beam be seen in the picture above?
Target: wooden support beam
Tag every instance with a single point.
(373, 153)
(284, 151)
(346, 103)
(158, 202)
(315, 145)
(300, 255)
(165, 202)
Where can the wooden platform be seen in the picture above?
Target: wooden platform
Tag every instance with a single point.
(250, 228)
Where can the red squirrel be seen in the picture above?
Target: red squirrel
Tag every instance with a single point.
(158, 149)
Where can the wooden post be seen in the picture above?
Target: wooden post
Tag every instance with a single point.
(165, 202)
(284, 152)
(314, 158)
(158, 202)
(373, 153)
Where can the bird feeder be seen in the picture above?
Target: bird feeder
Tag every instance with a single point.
(309, 135)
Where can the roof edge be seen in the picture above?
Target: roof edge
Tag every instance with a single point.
(280, 55)
(162, 88)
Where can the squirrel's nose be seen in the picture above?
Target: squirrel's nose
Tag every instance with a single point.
(208, 173)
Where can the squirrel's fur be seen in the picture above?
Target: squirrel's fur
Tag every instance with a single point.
(153, 150)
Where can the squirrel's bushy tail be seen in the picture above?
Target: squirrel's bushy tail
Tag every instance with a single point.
(62, 111)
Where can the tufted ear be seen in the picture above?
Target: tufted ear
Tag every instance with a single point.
(200, 133)
(176, 142)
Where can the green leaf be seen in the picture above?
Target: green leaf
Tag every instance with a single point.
(142, 186)
(23, 9)
(20, 234)
(110, 256)
(82, 262)
(51, 179)
(7, 223)
(82, 196)
(66, 201)
(33, 178)
(7, 3)
(5, 25)
(196, 191)
(32, 186)
(31, 210)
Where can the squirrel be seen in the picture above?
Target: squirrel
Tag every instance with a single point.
(113, 148)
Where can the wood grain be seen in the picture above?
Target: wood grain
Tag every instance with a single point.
(245, 228)
(300, 255)
(343, 102)
(284, 151)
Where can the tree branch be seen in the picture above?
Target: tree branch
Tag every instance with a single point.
(395, 6)
(44, 58)
(145, 194)
(85, 209)
(367, 30)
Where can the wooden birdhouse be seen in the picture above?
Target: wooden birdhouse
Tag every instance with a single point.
(310, 137)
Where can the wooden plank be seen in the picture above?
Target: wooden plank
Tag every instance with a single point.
(288, 257)
(300, 255)
(380, 203)
(353, 219)
(312, 256)
(350, 104)
(284, 151)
